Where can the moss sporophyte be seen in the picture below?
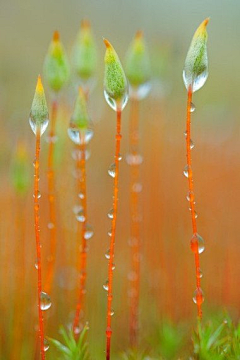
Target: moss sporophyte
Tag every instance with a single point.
(116, 95)
(38, 122)
(194, 75)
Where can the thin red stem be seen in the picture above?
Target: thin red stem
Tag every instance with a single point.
(81, 185)
(134, 225)
(51, 200)
(112, 240)
(191, 195)
(38, 245)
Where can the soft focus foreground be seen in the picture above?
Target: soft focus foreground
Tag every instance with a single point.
(167, 268)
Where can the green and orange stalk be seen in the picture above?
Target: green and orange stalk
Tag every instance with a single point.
(81, 133)
(195, 74)
(116, 95)
(56, 71)
(138, 74)
(38, 120)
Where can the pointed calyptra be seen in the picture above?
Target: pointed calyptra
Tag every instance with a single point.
(137, 62)
(195, 71)
(115, 81)
(56, 66)
(38, 118)
(84, 55)
(80, 117)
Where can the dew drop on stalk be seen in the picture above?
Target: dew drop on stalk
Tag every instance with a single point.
(185, 134)
(79, 138)
(110, 214)
(81, 195)
(50, 225)
(191, 144)
(110, 232)
(140, 92)
(113, 266)
(46, 345)
(190, 196)
(38, 195)
(198, 296)
(78, 154)
(51, 139)
(192, 107)
(134, 159)
(199, 273)
(119, 157)
(107, 254)
(76, 209)
(80, 216)
(88, 232)
(45, 301)
(112, 312)
(187, 171)
(197, 243)
(106, 286)
(36, 264)
(38, 127)
(112, 170)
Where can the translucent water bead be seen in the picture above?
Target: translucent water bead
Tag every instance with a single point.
(45, 301)
(198, 296)
(197, 243)
(134, 159)
(112, 170)
(192, 107)
(139, 92)
(88, 232)
(187, 171)
(195, 81)
(116, 105)
(78, 136)
(35, 126)
(46, 345)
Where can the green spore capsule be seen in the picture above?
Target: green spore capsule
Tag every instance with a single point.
(20, 171)
(56, 66)
(195, 71)
(84, 56)
(38, 118)
(138, 69)
(80, 131)
(115, 81)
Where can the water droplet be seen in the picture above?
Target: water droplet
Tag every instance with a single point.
(187, 171)
(198, 296)
(199, 273)
(76, 209)
(197, 243)
(107, 254)
(185, 134)
(192, 107)
(81, 195)
(191, 144)
(119, 157)
(106, 286)
(195, 214)
(79, 136)
(198, 81)
(88, 232)
(78, 154)
(38, 195)
(50, 225)
(38, 127)
(112, 312)
(45, 301)
(190, 196)
(112, 170)
(46, 345)
(36, 264)
(132, 276)
(141, 91)
(134, 159)
(114, 104)
(110, 232)
(35, 164)
(80, 216)
(137, 187)
(77, 330)
(110, 214)
(51, 139)
(113, 266)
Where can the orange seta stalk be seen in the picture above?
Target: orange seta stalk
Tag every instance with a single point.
(191, 200)
(134, 225)
(52, 200)
(82, 264)
(38, 245)
(112, 240)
